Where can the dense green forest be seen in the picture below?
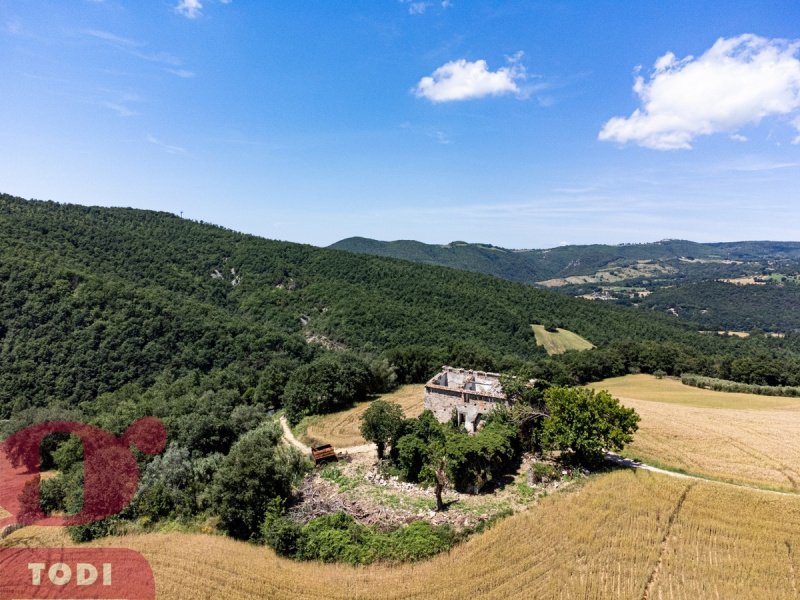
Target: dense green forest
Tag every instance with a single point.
(774, 306)
(96, 298)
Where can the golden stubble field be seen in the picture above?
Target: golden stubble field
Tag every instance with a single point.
(621, 535)
(342, 429)
(742, 438)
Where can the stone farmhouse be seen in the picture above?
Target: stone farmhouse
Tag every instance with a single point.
(468, 394)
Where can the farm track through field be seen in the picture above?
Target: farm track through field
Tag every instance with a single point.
(633, 464)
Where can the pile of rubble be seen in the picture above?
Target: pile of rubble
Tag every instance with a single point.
(375, 477)
(318, 497)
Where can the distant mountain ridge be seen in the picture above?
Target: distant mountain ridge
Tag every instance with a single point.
(537, 265)
(678, 277)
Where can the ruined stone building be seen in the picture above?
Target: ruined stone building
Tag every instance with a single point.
(468, 394)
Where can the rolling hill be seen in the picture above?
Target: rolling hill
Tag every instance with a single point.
(537, 265)
(677, 277)
(93, 299)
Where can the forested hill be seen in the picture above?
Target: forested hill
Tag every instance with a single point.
(92, 299)
(532, 266)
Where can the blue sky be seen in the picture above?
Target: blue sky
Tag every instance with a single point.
(510, 123)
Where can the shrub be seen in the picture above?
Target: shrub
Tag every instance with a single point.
(340, 538)
(258, 469)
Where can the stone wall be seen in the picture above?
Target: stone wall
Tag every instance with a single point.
(468, 394)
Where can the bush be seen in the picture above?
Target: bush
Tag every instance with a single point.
(258, 469)
(477, 459)
(340, 538)
(167, 487)
(544, 472)
(278, 532)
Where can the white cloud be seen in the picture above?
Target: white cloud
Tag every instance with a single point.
(113, 39)
(190, 9)
(120, 109)
(738, 137)
(166, 147)
(13, 27)
(135, 48)
(738, 81)
(417, 8)
(182, 73)
(463, 80)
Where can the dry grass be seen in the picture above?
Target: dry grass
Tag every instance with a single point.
(745, 281)
(642, 268)
(559, 341)
(671, 391)
(342, 429)
(742, 438)
(625, 535)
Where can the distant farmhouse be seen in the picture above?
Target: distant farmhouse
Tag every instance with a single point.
(468, 394)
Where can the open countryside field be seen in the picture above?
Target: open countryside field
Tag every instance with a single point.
(623, 535)
(642, 268)
(342, 429)
(559, 341)
(741, 438)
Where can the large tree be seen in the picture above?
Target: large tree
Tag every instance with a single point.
(381, 423)
(586, 423)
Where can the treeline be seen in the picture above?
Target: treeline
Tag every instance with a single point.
(723, 385)
(758, 361)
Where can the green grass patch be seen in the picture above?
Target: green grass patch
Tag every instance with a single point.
(559, 341)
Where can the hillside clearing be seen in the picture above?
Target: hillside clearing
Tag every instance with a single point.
(642, 268)
(559, 341)
(342, 429)
(622, 535)
(741, 438)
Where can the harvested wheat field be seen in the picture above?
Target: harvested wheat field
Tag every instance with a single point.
(622, 535)
(741, 438)
(342, 429)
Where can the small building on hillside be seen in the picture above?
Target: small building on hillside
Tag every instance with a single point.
(468, 394)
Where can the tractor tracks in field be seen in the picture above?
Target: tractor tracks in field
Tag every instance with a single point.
(790, 562)
(664, 546)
